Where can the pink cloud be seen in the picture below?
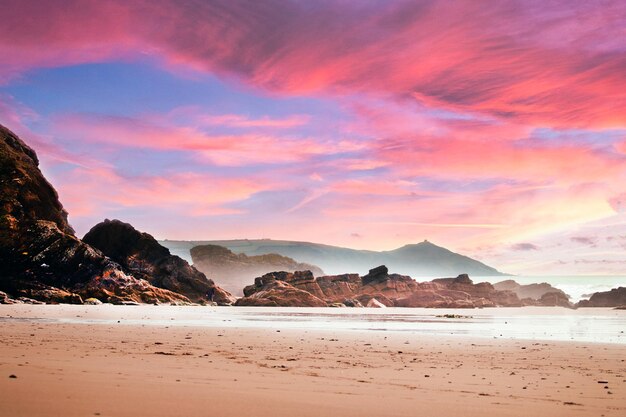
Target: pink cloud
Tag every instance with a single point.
(522, 161)
(87, 192)
(58, 32)
(494, 60)
(373, 186)
(235, 120)
(17, 117)
(503, 213)
(220, 149)
(618, 202)
(523, 60)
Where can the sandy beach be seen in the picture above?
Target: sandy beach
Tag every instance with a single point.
(65, 368)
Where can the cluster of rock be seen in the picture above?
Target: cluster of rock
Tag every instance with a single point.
(145, 258)
(42, 259)
(378, 289)
(235, 270)
(542, 294)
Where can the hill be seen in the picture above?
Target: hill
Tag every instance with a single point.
(417, 260)
(234, 271)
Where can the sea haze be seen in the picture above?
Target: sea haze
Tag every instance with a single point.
(334, 260)
(424, 258)
(578, 287)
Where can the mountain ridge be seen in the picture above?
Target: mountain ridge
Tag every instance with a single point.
(423, 259)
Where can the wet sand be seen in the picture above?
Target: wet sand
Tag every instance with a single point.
(120, 369)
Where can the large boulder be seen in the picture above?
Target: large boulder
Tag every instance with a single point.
(339, 287)
(376, 275)
(238, 270)
(272, 292)
(5, 299)
(613, 298)
(555, 299)
(145, 258)
(460, 280)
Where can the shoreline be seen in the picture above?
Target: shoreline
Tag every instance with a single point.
(588, 325)
(75, 369)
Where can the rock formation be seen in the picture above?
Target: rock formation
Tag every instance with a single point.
(281, 294)
(237, 270)
(145, 258)
(281, 289)
(376, 289)
(532, 291)
(613, 298)
(40, 257)
(459, 292)
(551, 299)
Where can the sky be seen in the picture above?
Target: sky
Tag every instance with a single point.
(495, 129)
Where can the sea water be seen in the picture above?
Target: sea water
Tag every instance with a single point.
(578, 287)
(598, 325)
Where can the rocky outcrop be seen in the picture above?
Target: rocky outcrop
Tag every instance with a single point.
(384, 287)
(613, 298)
(554, 299)
(279, 290)
(462, 292)
(376, 289)
(237, 270)
(339, 288)
(5, 299)
(25, 195)
(40, 257)
(145, 258)
(532, 291)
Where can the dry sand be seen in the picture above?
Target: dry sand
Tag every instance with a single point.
(158, 370)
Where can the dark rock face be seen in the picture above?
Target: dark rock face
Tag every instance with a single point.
(234, 271)
(532, 291)
(5, 299)
(24, 192)
(462, 279)
(40, 258)
(376, 275)
(145, 258)
(613, 298)
(376, 289)
(33, 223)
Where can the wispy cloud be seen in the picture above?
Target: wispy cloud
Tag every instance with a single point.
(584, 240)
(222, 149)
(524, 247)
(515, 60)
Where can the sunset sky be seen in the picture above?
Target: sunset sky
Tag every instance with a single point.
(495, 129)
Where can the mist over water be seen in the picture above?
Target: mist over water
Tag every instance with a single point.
(339, 261)
(578, 287)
